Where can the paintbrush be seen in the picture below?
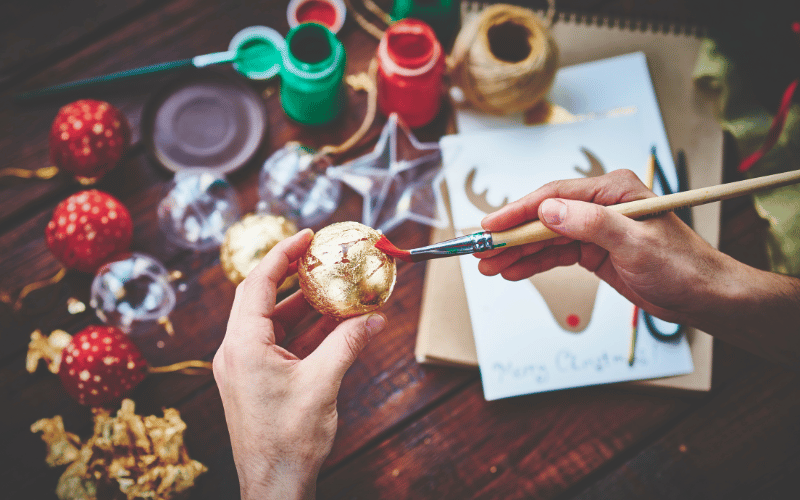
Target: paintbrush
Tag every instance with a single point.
(532, 232)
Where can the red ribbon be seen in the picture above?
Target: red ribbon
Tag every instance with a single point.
(774, 130)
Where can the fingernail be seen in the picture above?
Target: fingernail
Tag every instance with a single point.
(375, 324)
(553, 211)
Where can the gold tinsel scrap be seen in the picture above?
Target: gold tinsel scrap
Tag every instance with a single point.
(47, 348)
(62, 446)
(128, 457)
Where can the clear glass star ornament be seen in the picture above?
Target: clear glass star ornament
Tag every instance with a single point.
(399, 180)
(132, 290)
(198, 210)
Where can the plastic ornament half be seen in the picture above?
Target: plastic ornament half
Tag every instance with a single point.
(294, 184)
(132, 290)
(399, 180)
(198, 210)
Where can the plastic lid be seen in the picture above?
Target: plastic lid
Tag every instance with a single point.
(329, 13)
(260, 52)
(205, 120)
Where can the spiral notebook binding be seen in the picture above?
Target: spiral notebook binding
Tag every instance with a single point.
(471, 9)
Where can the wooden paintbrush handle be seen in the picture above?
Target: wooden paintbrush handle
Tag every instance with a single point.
(532, 232)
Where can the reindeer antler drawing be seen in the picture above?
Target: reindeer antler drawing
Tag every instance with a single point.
(479, 201)
(596, 168)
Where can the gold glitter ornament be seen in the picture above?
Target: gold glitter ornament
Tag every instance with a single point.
(249, 240)
(342, 274)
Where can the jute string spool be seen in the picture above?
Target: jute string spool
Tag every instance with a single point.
(505, 60)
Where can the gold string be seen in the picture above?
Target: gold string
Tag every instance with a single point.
(372, 107)
(6, 297)
(380, 13)
(192, 367)
(363, 22)
(40, 173)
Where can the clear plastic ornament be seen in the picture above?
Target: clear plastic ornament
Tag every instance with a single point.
(132, 290)
(198, 210)
(294, 184)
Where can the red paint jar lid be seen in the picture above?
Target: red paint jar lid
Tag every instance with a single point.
(411, 43)
(329, 13)
(409, 48)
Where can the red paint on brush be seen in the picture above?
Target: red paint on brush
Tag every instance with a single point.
(317, 11)
(384, 245)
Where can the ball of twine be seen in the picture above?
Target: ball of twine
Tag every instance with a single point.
(505, 60)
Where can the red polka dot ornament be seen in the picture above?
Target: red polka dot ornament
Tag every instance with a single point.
(99, 365)
(89, 229)
(88, 138)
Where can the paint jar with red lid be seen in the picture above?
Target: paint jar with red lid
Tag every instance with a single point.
(410, 69)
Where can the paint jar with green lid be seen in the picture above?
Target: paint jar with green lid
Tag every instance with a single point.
(312, 92)
(441, 15)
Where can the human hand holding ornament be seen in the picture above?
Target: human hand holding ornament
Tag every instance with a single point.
(280, 403)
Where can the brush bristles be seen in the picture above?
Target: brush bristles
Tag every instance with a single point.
(384, 245)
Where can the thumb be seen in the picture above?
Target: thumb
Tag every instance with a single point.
(339, 350)
(588, 222)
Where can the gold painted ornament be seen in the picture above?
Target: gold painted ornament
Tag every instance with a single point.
(249, 240)
(342, 274)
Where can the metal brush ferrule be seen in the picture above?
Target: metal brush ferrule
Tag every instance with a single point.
(463, 245)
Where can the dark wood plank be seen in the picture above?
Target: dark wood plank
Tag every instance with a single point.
(527, 447)
(741, 444)
(33, 34)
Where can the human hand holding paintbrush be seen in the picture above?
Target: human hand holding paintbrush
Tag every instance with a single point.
(658, 263)
(532, 231)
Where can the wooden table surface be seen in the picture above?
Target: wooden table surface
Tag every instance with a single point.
(406, 430)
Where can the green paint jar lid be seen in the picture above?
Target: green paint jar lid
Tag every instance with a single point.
(259, 52)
